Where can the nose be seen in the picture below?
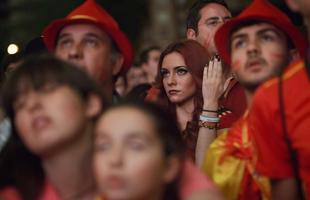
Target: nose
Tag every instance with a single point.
(75, 52)
(253, 47)
(171, 80)
(116, 157)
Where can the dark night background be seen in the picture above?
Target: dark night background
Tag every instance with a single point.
(22, 20)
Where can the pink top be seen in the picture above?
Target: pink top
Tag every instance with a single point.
(193, 179)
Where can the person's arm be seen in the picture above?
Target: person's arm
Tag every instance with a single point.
(212, 89)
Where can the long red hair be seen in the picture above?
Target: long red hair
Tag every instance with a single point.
(195, 57)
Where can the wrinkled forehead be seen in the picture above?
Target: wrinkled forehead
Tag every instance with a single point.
(82, 30)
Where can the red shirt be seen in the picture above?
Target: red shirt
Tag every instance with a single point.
(274, 157)
(232, 104)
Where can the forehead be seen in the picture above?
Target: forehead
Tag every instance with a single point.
(173, 59)
(82, 29)
(154, 53)
(125, 120)
(214, 10)
(256, 28)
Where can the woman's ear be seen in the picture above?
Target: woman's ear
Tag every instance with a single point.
(172, 169)
(94, 105)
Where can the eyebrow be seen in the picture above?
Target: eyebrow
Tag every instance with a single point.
(89, 34)
(269, 30)
(181, 66)
(217, 18)
(243, 35)
(175, 68)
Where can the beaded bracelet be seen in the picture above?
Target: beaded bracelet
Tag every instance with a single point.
(212, 111)
(208, 125)
(209, 119)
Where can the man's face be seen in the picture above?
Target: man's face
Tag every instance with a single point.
(258, 52)
(89, 47)
(213, 16)
(152, 64)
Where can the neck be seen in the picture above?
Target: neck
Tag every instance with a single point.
(70, 170)
(108, 92)
(249, 96)
(184, 112)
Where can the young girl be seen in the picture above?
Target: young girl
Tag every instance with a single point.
(191, 84)
(138, 153)
(52, 106)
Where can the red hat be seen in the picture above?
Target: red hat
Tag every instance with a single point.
(90, 12)
(260, 10)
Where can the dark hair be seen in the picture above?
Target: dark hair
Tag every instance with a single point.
(194, 16)
(166, 129)
(18, 166)
(195, 57)
(144, 56)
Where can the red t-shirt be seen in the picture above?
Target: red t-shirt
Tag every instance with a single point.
(274, 157)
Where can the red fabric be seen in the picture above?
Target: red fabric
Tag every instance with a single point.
(239, 144)
(48, 193)
(235, 102)
(152, 94)
(193, 180)
(274, 158)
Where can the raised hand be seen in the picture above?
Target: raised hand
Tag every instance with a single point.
(212, 83)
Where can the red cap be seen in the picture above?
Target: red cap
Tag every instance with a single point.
(91, 12)
(264, 11)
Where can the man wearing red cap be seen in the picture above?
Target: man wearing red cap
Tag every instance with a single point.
(91, 38)
(257, 44)
(281, 120)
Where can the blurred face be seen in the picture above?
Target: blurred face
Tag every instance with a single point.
(89, 47)
(135, 76)
(178, 82)
(129, 161)
(49, 119)
(152, 64)
(213, 16)
(258, 52)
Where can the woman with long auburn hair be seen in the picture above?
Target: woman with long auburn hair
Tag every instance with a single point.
(190, 85)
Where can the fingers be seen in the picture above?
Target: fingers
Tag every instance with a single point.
(214, 69)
